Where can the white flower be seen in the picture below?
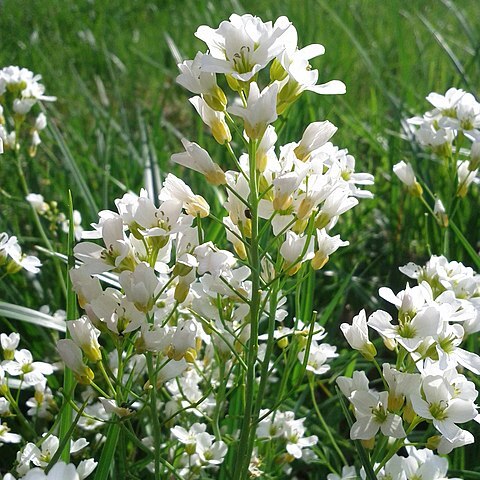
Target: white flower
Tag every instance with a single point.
(77, 225)
(24, 366)
(118, 253)
(9, 344)
(86, 467)
(314, 137)
(326, 245)
(198, 159)
(9, 247)
(140, 286)
(194, 78)
(442, 407)
(183, 342)
(111, 406)
(212, 260)
(6, 436)
(85, 335)
(404, 172)
(72, 356)
(465, 177)
(348, 473)
(242, 46)
(174, 188)
(357, 335)
(371, 411)
(301, 76)
(260, 111)
(60, 471)
(359, 381)
(38, 203)
(214, 119)
(189, 437)
(209, 452)
(86, 287)
(337, 202)
(318, 357)
(119, 314)
(295, 251)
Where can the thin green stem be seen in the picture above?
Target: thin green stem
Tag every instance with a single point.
(153, 411)
(245, 445)
(38, 224)
(326, 428)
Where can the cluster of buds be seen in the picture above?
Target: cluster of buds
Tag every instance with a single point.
(56, 218)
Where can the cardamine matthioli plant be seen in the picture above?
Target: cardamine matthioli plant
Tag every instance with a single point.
(190, 351)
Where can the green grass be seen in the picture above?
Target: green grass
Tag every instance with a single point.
(112, 65)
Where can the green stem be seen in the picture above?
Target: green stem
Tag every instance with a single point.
(40, 228)
(25, 423)
(245, 445)
(153, 411)
(324, 424)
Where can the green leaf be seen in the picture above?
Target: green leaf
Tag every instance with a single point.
(24, 314)
(107, 457)
(466, 244)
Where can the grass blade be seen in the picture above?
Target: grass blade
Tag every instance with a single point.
(466, 244)
(24, 314)
(108, 452)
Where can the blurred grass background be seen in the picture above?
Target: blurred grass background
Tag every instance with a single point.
(112, 65)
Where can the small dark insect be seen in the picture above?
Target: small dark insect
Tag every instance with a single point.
(248, 213)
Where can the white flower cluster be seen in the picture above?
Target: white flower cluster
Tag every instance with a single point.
(12, 259)
(32, 460)
(19, 371)
(19, 365)
(456, 112)
(453, 125)
(419, 464)
(200, 448)
(182, 316)
(20, 90)
(309, 183)
(433, 320)
(283, 427)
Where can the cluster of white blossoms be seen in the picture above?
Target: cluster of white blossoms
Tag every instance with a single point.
(18, 371)
(190, 317)
(282, 427)
(12, 259)
(452, 131)
(20, 90)
(429, 381)
(419, 464)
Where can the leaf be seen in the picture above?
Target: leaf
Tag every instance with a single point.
(466, 244)
(108, 452)
(72, 167)
(24, 314)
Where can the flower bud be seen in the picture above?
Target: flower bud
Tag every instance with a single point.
(216, 99)
(474, 156)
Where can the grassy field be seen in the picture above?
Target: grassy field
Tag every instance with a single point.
(112, 65)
